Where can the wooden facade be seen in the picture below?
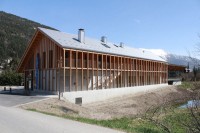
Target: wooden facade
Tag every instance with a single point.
(48, 66)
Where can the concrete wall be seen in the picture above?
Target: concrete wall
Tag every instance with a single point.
(99, 95)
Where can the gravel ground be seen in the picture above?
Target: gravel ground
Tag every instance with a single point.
(128, 106)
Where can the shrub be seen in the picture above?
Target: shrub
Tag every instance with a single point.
(10, 78)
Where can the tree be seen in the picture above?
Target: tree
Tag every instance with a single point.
(195, 71)
(167, 117)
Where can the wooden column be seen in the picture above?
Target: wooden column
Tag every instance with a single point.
(113, 71)
(110, 73)
(92, 71)
(137, 72)
(87, 70)
(106, 80)
(70, 69)
(97, 71)
(102, 71)
(118, 72)
(76, 70)
(82, 71)
(121, 72)
(64, 70)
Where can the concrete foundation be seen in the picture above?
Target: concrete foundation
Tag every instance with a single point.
(177, 83)
(100, 95)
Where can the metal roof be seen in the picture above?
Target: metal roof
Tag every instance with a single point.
(71, 41)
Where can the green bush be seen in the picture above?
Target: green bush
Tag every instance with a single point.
(10, 78)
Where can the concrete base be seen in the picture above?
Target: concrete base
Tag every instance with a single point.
(100, 95)
(43, 92)
(177, 83)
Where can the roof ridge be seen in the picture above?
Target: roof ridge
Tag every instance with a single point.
(67, 40)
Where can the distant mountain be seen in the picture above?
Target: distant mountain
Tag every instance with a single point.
(15, 32)
(175, 59)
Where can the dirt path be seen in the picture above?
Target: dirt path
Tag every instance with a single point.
(129, 105)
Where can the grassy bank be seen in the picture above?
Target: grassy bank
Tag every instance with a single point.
(138, 124)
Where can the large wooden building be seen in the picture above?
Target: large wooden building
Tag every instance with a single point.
(55, 59)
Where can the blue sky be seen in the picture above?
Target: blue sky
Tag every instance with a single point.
(171, 25)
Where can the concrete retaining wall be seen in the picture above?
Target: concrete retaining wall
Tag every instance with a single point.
(100, 95)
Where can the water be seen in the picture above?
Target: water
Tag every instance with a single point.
(191, 103)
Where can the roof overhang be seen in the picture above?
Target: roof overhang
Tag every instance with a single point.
(27, 54)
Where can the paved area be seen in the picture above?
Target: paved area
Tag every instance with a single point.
(17, 96)
(15, 120)
(14, 100)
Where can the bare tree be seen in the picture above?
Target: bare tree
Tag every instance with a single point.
(154, 114)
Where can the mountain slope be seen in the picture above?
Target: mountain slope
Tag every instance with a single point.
(175, 59)
(15, 32)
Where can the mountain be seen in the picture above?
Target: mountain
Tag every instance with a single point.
(15, 32)
(175, 59)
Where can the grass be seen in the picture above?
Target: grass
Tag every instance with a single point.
(186, 85)
(171, 119)
(135, 125)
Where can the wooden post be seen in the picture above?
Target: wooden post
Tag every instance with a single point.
(64, 70)
(76, 70)
(92, 71)
(82, 71)
(87, 70)
(102, 76)
(113, 71)
(70, 70)
(121, 73)
(106, 80)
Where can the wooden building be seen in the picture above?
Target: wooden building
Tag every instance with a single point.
(55, 59)
(176, 73)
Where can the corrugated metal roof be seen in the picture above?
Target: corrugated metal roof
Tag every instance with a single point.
(71, 41)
